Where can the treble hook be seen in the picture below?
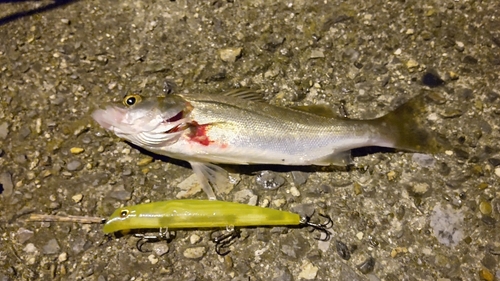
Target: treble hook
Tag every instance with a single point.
(322, 227)
(223, 241)
(144, 238)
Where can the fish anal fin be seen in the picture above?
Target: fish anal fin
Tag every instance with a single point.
(245, 94)
(211, 177)
(342, 158)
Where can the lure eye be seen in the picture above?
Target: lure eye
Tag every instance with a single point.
(124, 214)
(130, 100)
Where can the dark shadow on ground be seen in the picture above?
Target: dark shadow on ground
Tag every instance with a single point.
(21, 14)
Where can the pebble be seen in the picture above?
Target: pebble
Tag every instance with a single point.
(497, 171)
(420, 187)
(24, 235)
(230, 54)
(77, 198)
(160, 249)
(120, 193)
(391, 175)
(193, 239)
(317, 53)
(74, 165)
(486, 275)
(308, 271)
(460, 46)
(423, 160)
(294, 191)
(244, 195)
(145, 161)
(189, 187)
(412, 64)
(4, 130)
(7, 184)
(367, 266)
(30, 248)
(342, 250)
(299, 178)
(153, 259)
(52, 247)
(194, 253)
(62, 257)
(269, 180)
(485, 207)
(398, 52)
(76, 150)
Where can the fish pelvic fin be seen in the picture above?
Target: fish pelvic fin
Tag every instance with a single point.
(211, 177)
(406, 126)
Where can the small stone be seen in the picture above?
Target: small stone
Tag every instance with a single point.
(294, 191)
(269, 180)
(120, 193)
(460, 46)
(74, 165)
(342, 250)
(76, 150)
(30, 248)
(485, 208)
(453, 75)
(6, 184)
(4, 130)
(367, 266)
(230, 54)
(410, 31)
(194, 253)
(497, 171)
(299, 178)
(391, 175)
(145, 161)
(359, 235)
(423, 160)
(153, 259)
(62, 257)
(24, 235)
(52, 247)
(482, 186)
(308, 271)
(486, 275)
(189, 187)
(358, 189)
(66, 21)
(193, 239)
(398, 250)
(243, 196)
(77, 198)
(398, 52)
(412, 64)
(317, 53)
(160, 249)
(420, 187)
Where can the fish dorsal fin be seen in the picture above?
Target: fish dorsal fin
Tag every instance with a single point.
(317, 109)
(245, 94)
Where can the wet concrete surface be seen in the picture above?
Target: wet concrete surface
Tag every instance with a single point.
(396, 215)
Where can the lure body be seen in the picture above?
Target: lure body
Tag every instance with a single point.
(182, 214)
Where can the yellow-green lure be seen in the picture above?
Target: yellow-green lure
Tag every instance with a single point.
(186, 214)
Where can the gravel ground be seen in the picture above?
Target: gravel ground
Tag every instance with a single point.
(396, 216)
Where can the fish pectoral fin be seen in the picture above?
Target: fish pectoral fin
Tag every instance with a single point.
(245, 94)
(211, 177)
(342, 158)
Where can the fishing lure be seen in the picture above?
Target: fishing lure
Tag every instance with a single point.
(189, 214)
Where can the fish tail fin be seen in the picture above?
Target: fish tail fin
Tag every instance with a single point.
(406, 127)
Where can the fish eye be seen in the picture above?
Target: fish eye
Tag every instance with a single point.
(124, 214)
(130, 100)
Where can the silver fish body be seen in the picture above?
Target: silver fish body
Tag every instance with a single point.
(236, 128)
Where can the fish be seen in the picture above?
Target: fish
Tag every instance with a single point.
(240, 128)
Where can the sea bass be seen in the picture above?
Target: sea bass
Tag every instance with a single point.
(240, 128)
